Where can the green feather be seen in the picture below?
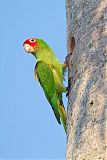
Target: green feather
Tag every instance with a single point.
(49, 72)
(46, 79)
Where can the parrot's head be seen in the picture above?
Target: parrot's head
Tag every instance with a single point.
(30, 45)
(37, 47)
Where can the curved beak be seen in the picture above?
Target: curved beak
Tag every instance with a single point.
(28, 48)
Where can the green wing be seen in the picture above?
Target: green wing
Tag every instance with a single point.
(46, 79)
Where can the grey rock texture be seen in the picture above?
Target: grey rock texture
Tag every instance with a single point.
(87, 106)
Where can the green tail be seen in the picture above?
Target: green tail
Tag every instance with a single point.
(62, 113)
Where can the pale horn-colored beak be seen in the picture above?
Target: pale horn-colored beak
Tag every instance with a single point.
(28, 48)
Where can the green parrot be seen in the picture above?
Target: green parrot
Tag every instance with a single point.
(50, 74)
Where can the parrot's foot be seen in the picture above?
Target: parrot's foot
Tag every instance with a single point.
(69, 87)
(71, 45)
(68, 90)
(67, 58)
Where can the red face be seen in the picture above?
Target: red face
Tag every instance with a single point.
(29, 44)
(31, 41)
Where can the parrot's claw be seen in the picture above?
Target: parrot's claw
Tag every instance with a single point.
(69, 87)
(68, 90)
(67, 58)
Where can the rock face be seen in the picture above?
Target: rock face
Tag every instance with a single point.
(87, 107)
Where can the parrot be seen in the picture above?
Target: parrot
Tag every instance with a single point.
(50, 74)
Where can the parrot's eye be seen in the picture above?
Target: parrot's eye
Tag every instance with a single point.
(32, 40)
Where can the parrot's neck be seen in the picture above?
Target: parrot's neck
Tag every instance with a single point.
(40, 55)
(46, 55)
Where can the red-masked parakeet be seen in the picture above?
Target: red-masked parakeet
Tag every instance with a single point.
(49, 72)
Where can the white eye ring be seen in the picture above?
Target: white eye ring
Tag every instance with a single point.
(32, 40)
